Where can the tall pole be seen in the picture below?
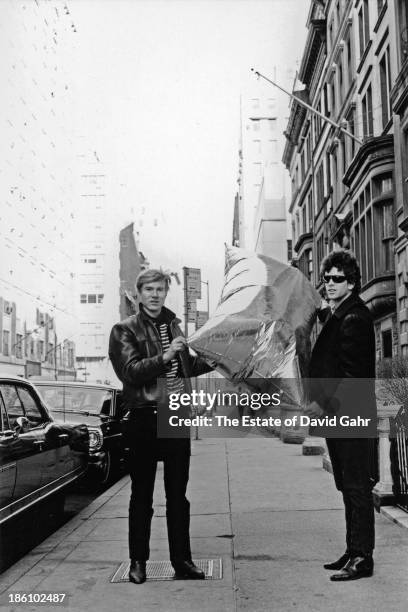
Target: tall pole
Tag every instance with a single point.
(308, 106)
(185, 302)
(55, 355)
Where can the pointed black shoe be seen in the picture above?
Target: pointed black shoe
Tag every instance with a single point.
(137, 572)
(339, 564)
(355, 568)
(186, 570)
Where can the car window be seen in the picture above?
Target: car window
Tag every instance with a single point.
(31, 407)
(13, 404)
(77, 399)
(4, 425)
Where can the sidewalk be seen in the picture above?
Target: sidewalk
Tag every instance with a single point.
(271, 514)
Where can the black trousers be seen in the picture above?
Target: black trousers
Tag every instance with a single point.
(143, 459)
(354, 474)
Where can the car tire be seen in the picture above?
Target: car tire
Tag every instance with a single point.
(106, 472)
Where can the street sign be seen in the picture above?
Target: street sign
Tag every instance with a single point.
(201, 318)
(192, 282)
(191, 311)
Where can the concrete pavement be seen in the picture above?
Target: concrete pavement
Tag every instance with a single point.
(271, 514)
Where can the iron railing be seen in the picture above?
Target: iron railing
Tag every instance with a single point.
(399, 457)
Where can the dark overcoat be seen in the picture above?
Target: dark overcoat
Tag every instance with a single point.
(342, 366)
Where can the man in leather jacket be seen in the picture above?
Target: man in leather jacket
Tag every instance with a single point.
(150, 356)
(343, 351)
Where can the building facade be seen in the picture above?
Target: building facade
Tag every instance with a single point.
(348, 189)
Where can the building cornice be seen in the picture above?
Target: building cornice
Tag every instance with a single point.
(303, 238)
(295, 123)
(316, 38)
(372, 151)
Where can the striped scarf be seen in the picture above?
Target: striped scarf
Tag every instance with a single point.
(175, 384)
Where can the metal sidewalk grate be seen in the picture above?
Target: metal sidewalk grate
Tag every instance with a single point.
(163, 570)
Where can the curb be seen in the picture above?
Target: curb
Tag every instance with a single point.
(396, 515)
(34, 556)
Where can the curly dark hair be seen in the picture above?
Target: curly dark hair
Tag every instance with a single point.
(346, 262)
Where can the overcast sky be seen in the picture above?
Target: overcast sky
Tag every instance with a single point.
(160, 85)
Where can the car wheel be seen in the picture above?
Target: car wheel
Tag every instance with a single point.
(106, 470)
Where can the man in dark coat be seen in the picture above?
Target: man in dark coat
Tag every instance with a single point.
(150, 356)
(345, 350)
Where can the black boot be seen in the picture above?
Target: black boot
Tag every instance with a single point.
(355, 568)
(137, 571)
(339, 564)
(188, 571)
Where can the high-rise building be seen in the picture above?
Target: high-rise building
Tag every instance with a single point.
(97, 271)
(262, 178)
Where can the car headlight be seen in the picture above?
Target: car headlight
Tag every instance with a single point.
(95, 438)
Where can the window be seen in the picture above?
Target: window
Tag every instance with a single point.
(351, 128)
(382, 184)
(363, 27)
(310, 210)
(83, 298)
(349, 61)
(290, 249)
(51, 353)
(333, 97)
(367, 110)
(304, 220)
(32, 410)
(335, 175)
(257, 167)
(257, 146)
(386, 337)
(387, 223)
(370, 255)
(272, 125)
(19, 346)
(320, 187)
(341, 80)
(91, 298)
(13, 404)
(6, 342)
(385, 84)
(255, 125)
(319, 251)
(100, 298)
(255, 103)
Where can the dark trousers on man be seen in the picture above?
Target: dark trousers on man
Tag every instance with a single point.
(353, 463)
(143, 459)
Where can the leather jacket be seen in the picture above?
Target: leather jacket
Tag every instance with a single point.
(136, 353)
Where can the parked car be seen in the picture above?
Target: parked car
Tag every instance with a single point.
(39, 458)
(100, 407)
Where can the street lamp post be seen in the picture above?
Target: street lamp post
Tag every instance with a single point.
(208, 295)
